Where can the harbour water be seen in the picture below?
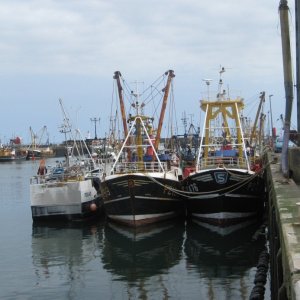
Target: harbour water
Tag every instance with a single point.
(100, 260)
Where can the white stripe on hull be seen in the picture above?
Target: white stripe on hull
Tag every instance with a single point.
(209, 196)
(224, 230)
(225, 215)
(206, 196)
(116, 200)
(139, 217)
(157, 198)
(140, 197)
(133, 235)
(242, 196)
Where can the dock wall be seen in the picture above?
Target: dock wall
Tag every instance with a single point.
(283, 229)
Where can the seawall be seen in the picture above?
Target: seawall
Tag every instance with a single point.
(284, 226)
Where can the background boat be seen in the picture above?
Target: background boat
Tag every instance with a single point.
(37, 149)
(12, 151)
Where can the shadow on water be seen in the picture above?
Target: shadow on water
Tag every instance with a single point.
(60, 252)
(174, 259)
(134, 254)
(224, 257)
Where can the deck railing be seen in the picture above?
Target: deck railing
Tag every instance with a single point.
(38, 179)
(133, 167)
(228, 162)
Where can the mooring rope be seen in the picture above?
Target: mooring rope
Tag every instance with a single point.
(225, 190)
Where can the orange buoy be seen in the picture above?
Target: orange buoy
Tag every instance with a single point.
(93, 207)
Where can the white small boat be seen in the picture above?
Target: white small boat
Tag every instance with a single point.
(66, 193)
(70, 190)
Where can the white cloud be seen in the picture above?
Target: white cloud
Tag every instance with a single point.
(92, 36)
(143, 39)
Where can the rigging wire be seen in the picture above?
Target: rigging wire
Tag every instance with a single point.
(149, 94)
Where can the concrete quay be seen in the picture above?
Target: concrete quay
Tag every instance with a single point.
(284, 225)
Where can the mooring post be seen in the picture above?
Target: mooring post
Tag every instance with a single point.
(288, 82)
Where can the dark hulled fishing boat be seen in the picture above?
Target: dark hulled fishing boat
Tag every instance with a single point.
(226, 187)
(142, 187)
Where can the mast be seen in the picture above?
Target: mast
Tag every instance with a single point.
(297, 16)
(262, 100)
(95, 120)
(65, 128)
(117, 75)
(163, 108)
(32, 138)
(273, 134)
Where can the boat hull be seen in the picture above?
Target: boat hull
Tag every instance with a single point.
(10, 154)
(70, 200)
(137, 199)
(33, 154)
(11, 158)
(223, 197)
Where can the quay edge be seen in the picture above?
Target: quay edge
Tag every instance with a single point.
(284, 226)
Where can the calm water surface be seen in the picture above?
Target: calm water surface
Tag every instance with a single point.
(101, 260)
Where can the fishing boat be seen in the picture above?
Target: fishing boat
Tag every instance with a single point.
(38, 153)
(227, 186)
(8, 153)
(36, 149)
(12, 151)
(71, 189)
(142, 185)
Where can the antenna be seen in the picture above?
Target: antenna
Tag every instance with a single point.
(136, 94)
(222, 70)
(207, 81)
(95, 120)
(184, 121)
(221, 93)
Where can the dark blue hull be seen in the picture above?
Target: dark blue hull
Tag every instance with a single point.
(223, 197)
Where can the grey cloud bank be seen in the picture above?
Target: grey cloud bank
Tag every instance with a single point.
(70, 49)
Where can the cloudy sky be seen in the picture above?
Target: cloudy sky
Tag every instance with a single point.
(69, 49)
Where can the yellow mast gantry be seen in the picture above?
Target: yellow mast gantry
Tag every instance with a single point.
(229, 109)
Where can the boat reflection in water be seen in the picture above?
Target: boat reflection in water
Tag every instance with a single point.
(60, 254)
(137, 256)
(224, 257)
